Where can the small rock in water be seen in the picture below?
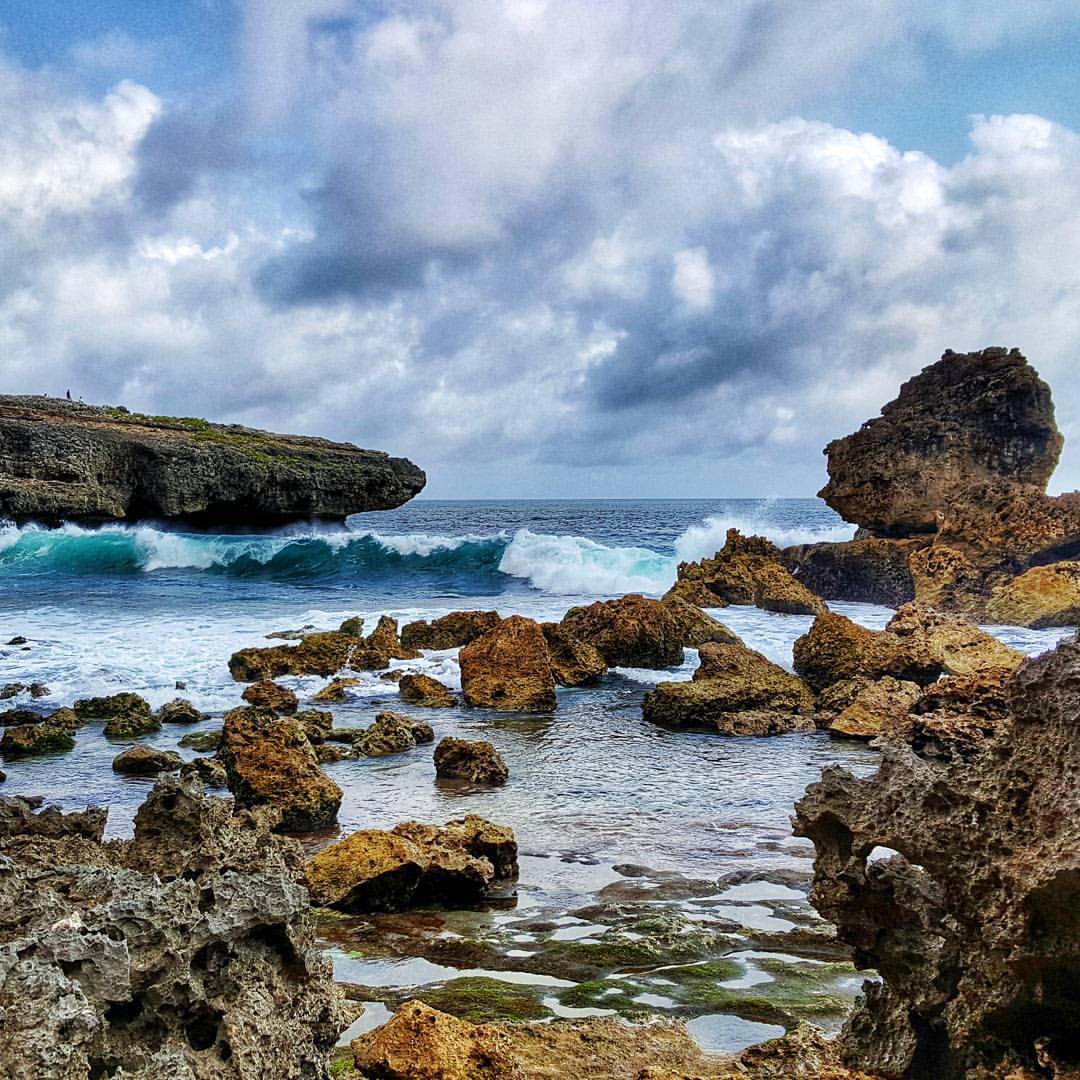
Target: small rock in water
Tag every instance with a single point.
(146, 761)
(424, 690)
(17, 641)
(475, 762)
(12, 690)
(202, 741)
(269, 695)
(180, 711)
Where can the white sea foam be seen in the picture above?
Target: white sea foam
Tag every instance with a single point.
(423, 544)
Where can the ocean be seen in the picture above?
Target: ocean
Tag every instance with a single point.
(596, 797)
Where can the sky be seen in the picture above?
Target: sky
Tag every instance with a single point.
(544, 248)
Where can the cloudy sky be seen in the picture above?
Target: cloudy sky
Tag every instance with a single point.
(543, 247)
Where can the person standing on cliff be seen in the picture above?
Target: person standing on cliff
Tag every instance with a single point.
(69, 395)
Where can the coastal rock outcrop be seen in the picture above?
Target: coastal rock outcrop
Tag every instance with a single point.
(918, 645)
(187, 952)
(735, 691)
(473, 761)
(746, 570)
(509, 668)
(269, 695)
(392, 733)
(968, 909)
(970, 419)
(633, 631)
(269, 761)
(420, 689)
(65, 461)
(449, 631)
(376, 870)
(573, 662)
(1040, 597)
(877, 706)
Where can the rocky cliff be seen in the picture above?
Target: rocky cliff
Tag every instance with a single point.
(970, 419)
(955, 873)
(65, 461)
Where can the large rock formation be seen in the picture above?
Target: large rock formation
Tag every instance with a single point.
(509, 667)
(948, 487)
(633, 631)
(65, 461)
(970, 419)
(187, 952)
(969, 907)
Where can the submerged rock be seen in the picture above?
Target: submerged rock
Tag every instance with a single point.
(633, 631)
(66, 461)
(508, 668)
(180, 711)
(142, 760)
(187, 952)
(735, 691)
(269, 761)
(475, 762)
(971, 921)
(418, 689)
(970, 419)
(450, 631)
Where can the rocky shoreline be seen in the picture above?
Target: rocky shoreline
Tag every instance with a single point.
(192, 949)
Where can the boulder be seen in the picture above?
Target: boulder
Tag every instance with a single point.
(323, 654)
(353, 625)
(632, 631)
(180, 711)
(105, 708)
(690, 588)
(269, 761)
(1041, 597)
(384, 638)
(209, 771)
(735, 691)
(420, 1043)
(373, 870)
(573, 662)
(336, 691)
(269, 695)
(203, 741)
(450, 631)
(66, 461)
(970, 419)
(45, 737)
(316, 724)
(971, 918)
(11, 717)
(879, 706)
(508, 668)
(747, 570)
(474, 762)
(142, 760)
(424, 690)
(392, 733)
(918, 645)
(695, 628)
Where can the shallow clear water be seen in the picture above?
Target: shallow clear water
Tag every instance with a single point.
(594, 791)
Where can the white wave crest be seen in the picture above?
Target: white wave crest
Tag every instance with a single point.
(423, 544)
(704, 540)
(573, 565)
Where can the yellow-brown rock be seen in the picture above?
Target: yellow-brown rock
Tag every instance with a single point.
(269, 695)
(958, 646)
(632, 631)
(420, 1043)
(509, 668)
(695, 628)
(317, 654)
(269, 761)
(450, 631)
(335, 691)
(472, 761)
(878, 707)
(384, 640)
(1041, 597)
(573, 662)
(370, 870)
(419, 689)
(735, 691)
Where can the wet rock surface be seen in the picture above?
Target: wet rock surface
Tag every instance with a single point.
(65, 461)
(129, 960)
(450, 631)
(508, 668)
(971, 918)
(269, 761)
(471, 761)
(420, 689)
(633, 631)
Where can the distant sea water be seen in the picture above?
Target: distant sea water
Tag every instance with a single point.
(592, 787)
